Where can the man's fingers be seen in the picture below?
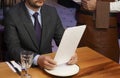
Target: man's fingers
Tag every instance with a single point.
(46, 62)
(49, 63)
(73, 60)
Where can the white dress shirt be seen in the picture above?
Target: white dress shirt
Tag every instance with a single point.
(31, 12)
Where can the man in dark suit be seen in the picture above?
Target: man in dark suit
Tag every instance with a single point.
(20, 32)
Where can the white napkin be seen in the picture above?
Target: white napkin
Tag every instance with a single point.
(15, 65)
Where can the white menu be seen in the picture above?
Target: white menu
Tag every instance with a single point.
(69, 43)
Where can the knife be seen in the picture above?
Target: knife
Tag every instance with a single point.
(16, 69)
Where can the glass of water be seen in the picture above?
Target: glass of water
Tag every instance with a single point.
(26, 62)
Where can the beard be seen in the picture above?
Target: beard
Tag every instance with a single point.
(36, 6)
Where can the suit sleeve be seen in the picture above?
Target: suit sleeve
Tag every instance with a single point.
(11, 37)
(59, 30)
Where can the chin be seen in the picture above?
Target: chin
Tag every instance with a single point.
(39, 4)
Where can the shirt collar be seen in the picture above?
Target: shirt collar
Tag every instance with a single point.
(31, 12)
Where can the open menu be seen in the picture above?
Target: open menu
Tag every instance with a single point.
(66, 50)
(69, 43)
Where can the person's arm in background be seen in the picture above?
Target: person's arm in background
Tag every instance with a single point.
(91, 5)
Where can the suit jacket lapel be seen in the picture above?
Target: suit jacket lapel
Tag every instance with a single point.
(44, 20)
(29, 25)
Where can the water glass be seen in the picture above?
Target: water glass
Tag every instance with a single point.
(26, 62)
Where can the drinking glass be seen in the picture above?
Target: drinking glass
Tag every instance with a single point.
(26, 62)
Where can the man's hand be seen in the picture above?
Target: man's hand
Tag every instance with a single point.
(89, 4)
(73, 60)
(46, 62)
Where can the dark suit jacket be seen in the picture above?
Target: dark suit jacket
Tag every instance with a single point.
(20, 34)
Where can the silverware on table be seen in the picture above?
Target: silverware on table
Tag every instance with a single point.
(16, 69)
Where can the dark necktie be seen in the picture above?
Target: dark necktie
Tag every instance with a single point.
(37, 27)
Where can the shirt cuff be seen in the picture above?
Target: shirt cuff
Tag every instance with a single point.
(35, 59)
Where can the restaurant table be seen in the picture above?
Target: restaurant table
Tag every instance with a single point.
(91, 63)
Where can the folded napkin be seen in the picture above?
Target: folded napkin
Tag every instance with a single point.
(15, 65)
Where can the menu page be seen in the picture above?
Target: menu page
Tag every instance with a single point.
(69, 43)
